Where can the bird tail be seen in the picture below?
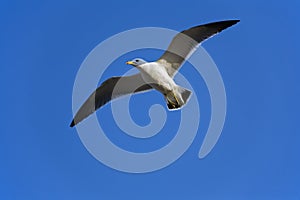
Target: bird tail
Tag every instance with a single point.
(177, 98)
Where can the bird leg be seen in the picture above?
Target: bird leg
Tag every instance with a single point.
(176, 98)
(169, 100)
(174, 105)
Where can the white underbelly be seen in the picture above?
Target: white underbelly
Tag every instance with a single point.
(157, 77)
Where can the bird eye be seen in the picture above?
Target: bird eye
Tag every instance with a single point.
(136, 60)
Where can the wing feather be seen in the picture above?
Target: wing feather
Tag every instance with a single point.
(110, 89)
(186, 42)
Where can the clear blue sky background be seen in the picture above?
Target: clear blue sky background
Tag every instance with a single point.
(43, 43)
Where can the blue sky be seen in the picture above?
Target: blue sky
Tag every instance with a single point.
(42, 46)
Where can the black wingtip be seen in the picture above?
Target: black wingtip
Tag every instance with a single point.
(234, 21)
(72, 123)
(226, 23)
(222, 25)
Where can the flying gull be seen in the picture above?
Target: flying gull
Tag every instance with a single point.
(154, 75)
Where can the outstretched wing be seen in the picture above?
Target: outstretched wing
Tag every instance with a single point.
(185, 42)
(109, 90)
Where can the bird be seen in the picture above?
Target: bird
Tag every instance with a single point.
(157, 75)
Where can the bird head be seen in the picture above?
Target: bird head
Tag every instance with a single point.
(136, 62)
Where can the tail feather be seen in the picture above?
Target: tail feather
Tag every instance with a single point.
(178, 98)
(185, 94)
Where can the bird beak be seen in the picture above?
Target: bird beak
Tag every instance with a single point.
(129, 63)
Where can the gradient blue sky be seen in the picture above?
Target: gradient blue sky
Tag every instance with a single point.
(43, 43)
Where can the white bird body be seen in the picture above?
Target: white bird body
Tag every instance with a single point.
(156, 75)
